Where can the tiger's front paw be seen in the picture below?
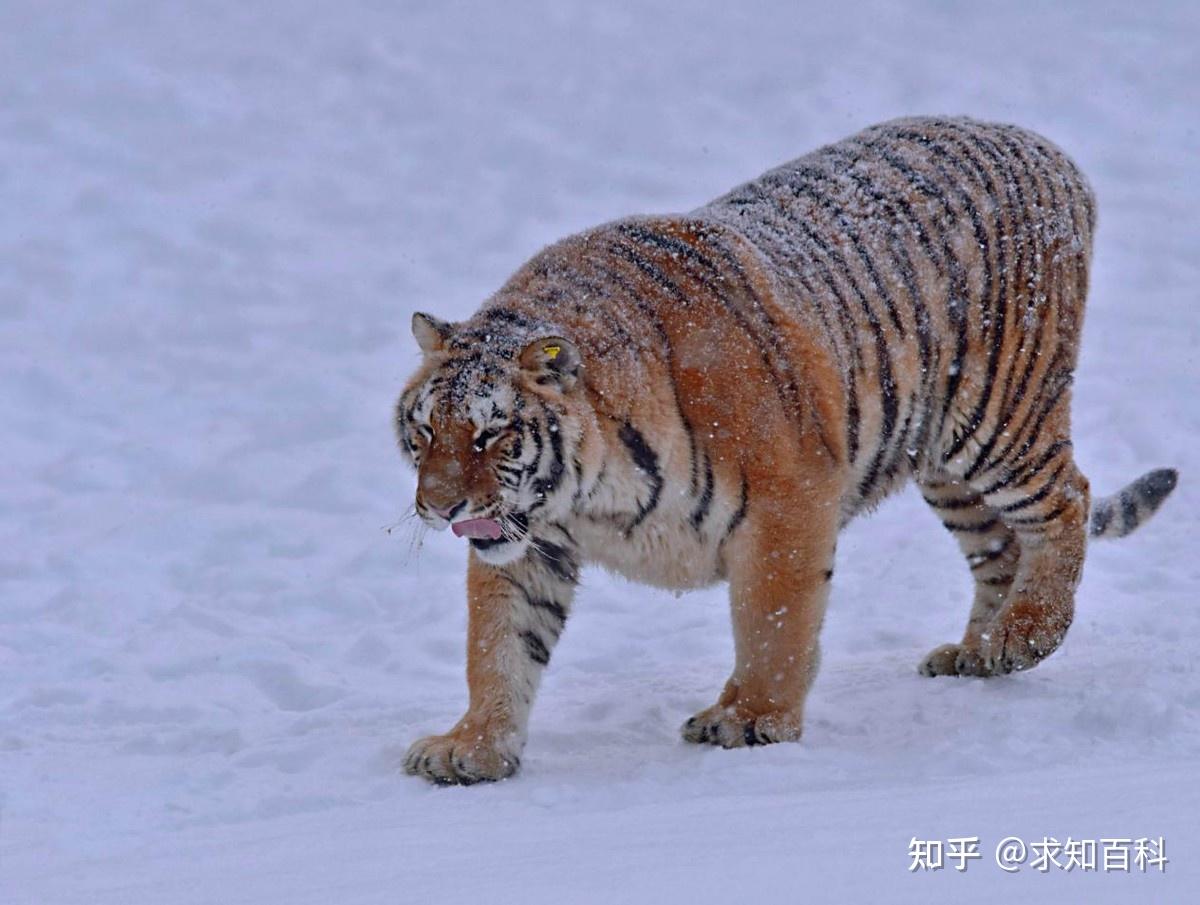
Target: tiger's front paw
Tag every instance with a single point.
(955, 660)
(732, 727)
(463, 757)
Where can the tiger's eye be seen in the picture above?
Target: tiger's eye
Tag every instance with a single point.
(484, 440)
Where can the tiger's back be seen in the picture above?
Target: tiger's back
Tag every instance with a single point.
(946, 261)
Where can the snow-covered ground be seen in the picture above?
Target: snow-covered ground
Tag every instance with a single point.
(215, 222)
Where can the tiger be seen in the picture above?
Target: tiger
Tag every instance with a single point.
(711, 396)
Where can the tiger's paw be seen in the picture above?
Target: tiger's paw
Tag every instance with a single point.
(1015, 649)
(732, 727)
(955, 660)
(462, 757)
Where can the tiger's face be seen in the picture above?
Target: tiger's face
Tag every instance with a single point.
(492, 425)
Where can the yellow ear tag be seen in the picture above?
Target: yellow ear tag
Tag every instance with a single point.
(552, 351)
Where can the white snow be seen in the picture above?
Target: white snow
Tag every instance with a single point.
(217, 219)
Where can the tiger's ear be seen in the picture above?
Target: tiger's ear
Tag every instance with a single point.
(432, 335)
(552, 358)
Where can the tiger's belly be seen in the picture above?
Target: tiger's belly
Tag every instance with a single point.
(664, 552)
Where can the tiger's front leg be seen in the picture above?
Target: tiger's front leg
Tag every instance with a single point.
(780, 563)
(516, 614)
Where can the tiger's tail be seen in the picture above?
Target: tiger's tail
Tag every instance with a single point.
(1121, 513)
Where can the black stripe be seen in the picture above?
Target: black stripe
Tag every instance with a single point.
(487, 543)
(546, 486)
(706, 498)
(577, 471)
(962, 502)
(646, 460)
(535, 434)
(978, 528)
(507, 316)
(1054, 388)
(885, 472)
(1031, 521)
(740, 515)
(853, 415)
(1015, 478)
(554, 610)
(600, 478)
(536, 648)
(518, 440)
(557, 558)
(984, 557)
(1035, 497)
(1055, 381)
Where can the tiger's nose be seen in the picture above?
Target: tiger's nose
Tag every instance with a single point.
(450, 512)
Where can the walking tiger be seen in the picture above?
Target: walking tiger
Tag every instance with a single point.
(711, 396)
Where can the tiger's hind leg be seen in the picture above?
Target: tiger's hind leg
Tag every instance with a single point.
(992, 551)
(1049, 518)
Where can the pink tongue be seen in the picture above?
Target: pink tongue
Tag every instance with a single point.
(478, 527)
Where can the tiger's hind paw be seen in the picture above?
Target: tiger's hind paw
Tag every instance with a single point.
(1015, 648)
(730, 727)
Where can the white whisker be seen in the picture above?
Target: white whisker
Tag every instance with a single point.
(415, 530)
(409, 513)
(513, 534)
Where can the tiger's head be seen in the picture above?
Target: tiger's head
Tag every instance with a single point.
(494, 421)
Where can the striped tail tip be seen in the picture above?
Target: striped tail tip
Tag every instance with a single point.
(1122, 513)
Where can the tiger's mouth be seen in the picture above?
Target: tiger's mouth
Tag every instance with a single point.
(486, 534)
(478, 529)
